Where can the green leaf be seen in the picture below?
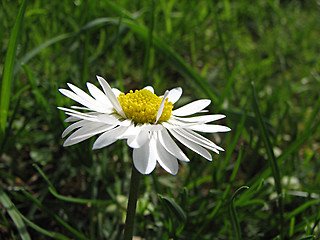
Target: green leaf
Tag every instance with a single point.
(149, 40)
(233, 214)
(40, 98)
(294, 146)
(7, 77)
(302, 208)
(174, 208)
(38, 49)
(11, 209)
(63, 223)
(80, 200)
(265, 137)
(42, 230)
(176, 60)
(44, 176)
(272, 159)
(307, 237)
(70, 199)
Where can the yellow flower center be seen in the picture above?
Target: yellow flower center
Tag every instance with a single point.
(141, 106)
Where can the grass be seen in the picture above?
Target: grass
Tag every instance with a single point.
(213, 50)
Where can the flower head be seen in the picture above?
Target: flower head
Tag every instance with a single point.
(145, 120)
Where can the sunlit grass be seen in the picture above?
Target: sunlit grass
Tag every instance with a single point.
(213, 51)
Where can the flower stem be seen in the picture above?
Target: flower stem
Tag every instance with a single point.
(132, 203)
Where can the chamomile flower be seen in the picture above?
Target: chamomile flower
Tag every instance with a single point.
(145, 120)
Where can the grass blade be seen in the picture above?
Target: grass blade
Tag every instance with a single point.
(146, 66)
(120, 11)
(174, 208)
(289, 150)
(228, 88)
(221, 41)
(272, 159)
(118, 58)
(69, 199)
(7, 77)
(224, 195)
(176, 60)
(238, 132)
(38, 49)
(79, 200)
(302, 208)
(72, 230)
(10, 208)
(233, 214)
(42, 230)
(267, 142)
(44, 176)
(40, 98)
(307, 238)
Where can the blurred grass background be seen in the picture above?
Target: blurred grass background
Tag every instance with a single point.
(257, 61)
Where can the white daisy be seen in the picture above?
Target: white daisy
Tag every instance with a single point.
(145, 120)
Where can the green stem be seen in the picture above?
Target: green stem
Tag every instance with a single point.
(132, 203)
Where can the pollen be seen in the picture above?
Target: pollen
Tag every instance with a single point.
(141, 106)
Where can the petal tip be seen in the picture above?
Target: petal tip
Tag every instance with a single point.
(66, 144)
(174, 173)
(146, 172)
(227, 129)
(100, 78)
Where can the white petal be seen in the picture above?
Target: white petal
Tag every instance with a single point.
(109, 137)
(83, 116)
(149, 88)
(109, 119)
(178, 122)
(116, 91)
(81, 93)
(151, 127)
(131, 131)
(124, 123)
(91, 115)
(75, 97)
(161, 106)
(79, 115)
(174, 95)
(87, 101)
(73, 111)
(86, 132)
(138, 140)
(92, 129)
(192, 108)
(114, 101)
(73, 126)
(209, 128)
(166, 160)
(132, 134)
(200, 140)
(82, 108)
(98, 95)
(144, 158)
(175, 123)
(171, 146)
(71, 140)
(72, 119)
(193, 146)
(201, 119)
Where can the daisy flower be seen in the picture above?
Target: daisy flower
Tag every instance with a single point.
(145, 120)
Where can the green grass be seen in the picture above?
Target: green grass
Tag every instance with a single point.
(213, 50)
